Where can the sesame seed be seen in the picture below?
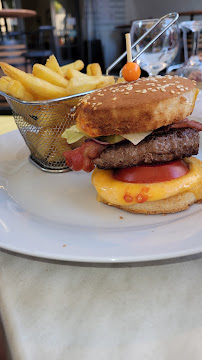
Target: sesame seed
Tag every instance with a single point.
(100, 103)
(144, 91)
(126, 93)
(152, 78)
(182, 89)
(162, 89)
(138, 91)
(172, 91)
(94, 98)
(114, 98)
(154, 90)
(186, 88)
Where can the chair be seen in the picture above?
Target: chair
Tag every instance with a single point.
(12, 51)
(41, 44)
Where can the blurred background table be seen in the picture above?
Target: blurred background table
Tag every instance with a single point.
(17, 13)
(191, 14)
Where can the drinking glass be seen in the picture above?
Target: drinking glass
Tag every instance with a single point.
(162, 52)
(192, 68)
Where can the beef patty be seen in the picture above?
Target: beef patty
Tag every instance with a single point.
(158, 147)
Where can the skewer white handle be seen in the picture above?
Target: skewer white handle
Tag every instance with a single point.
(128, 47)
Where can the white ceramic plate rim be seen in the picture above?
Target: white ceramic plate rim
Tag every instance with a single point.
(105, 239)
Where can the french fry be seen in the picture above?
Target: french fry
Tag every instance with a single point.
(41, 143)
(15, 88)
(49, 75)
(6, 78)
(38, 87)
(120, 80)
(94, 69)
(80, 84)
(52, 64)
(70, 73)
(48, 144)
(77, 65)
(103, 81)
(4, 86)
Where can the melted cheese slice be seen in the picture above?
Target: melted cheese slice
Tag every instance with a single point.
(135, 138)
(121, 193)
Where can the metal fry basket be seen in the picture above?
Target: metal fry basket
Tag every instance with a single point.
(41, 124)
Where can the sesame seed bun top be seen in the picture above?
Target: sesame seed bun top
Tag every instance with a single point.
(138, 106)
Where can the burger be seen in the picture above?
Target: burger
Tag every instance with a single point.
(138, 140)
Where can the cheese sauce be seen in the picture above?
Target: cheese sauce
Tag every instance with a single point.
(121, 193)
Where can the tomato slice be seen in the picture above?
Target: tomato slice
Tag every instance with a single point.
(152, 173)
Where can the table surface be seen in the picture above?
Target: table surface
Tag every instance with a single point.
(17, 13)
(190, 13)
(58, 310)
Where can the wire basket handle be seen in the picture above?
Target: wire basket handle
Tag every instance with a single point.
(174, 16)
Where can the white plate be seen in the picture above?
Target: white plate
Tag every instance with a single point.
(57, 216)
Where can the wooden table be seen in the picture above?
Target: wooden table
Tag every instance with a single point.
(7, 123)
(191, 13)
(17, 13)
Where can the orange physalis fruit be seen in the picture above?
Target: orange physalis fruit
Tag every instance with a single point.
(131, 71)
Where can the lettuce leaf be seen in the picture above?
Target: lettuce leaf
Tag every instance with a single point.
(73, 134)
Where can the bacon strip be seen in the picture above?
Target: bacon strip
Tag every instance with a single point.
(192, 124)
(81, 158)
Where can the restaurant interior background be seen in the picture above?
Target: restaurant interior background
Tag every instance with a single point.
(90, 30)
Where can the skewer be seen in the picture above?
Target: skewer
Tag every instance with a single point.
(131, 70)
(128, 47)
(174, 16)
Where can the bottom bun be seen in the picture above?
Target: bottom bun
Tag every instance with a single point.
(171, 205)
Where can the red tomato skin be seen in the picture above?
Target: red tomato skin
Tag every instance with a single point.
(152, 173)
